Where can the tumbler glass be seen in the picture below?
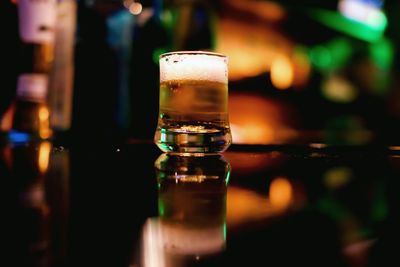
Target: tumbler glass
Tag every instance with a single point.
(193, 108)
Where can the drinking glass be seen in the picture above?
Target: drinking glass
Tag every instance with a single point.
(193, 108)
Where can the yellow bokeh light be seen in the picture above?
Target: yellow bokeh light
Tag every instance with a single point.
(43, 113)
(282, 72)
(337, 88)
(280, 193)
(44, 123)
(44, 155)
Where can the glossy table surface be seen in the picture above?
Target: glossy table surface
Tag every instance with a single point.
(128, 204)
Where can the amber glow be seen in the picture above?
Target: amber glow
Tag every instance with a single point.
(282, 72)
(44, 155)
(257, 120)
(280, 193)
(254, 132)
(244, 205)
(251, 48)
(254, 45)
(44, 123)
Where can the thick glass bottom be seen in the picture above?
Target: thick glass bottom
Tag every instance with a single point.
(183, 140)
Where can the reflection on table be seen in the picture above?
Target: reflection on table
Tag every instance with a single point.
(38, 179)
(192, 210)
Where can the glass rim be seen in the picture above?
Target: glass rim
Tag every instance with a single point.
(193, 52)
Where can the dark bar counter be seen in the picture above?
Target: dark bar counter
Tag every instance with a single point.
(127, 204)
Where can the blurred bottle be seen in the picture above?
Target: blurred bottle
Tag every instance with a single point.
(62, 75)
(192, 211)
(37, 20)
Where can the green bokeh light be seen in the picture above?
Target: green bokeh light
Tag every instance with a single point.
(161, 208)
(369, 31)
(321, 57)
(331, 55)
(382, 53)
(157, 52)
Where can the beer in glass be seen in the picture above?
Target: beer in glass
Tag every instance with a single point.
(193, 108)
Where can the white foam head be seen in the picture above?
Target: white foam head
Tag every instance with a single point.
(194, 65)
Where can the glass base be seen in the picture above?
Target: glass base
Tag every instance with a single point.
(181, 141)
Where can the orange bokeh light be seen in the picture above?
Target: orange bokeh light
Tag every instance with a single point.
(282, 72)
(44, 155)
(280, 193)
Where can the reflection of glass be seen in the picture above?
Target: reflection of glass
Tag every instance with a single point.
(39, 182)
(193, 115)
(192, 210)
